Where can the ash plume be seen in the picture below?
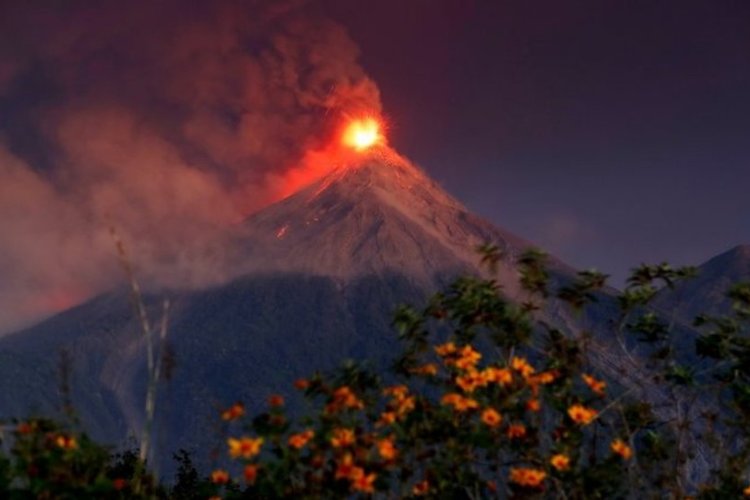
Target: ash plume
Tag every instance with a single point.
(170, 121)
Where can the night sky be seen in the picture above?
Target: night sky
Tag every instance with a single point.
(607, 132)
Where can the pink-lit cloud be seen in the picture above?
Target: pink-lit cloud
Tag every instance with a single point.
(168, 121)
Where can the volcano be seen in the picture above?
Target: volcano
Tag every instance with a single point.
(379, 216)
(322, 272)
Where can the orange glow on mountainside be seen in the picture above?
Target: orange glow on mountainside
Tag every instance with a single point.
(355, 140)
(362, 134)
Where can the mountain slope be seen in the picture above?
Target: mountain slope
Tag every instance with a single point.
(380, 215)
(706, 293)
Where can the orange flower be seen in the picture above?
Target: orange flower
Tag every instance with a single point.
(470, 381)
(220, 476)
(467, 358)
(244, 447)
(491, 417)
(386, 449)
(430, 369)
(533, 405)
(516, 431)
(531, 478)
(404, 406)
(501, 376)
(522, 366)
(421, 488)
(595, 385)
(446, 349)
(581, 415)
(342, 398)
(250, 472)
(342, 438)
(301, 384)
(364, 483)
(299, 440)
(396, 391)
(387, 418)
(25, 428)
(345, 468)
(459, 402)
(746, 491)
(560, 462)
(275, 401)
(66, 442)
(619, 447)
(543, 378)
(233, 412)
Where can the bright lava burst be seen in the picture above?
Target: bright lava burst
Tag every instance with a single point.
(362, 134)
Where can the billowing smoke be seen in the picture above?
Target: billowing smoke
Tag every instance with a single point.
(169, 120)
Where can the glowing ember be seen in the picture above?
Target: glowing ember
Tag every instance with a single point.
(362, 134)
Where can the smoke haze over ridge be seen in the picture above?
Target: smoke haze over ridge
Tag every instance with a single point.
(169, 121)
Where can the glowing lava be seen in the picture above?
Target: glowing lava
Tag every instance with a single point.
(362, 134)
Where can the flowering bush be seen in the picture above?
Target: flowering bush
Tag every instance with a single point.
(487, 400)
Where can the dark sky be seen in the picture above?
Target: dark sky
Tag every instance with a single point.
(608, 132)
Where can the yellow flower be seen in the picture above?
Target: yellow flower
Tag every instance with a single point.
(522, 366)
(581, 415)
(516, 431)
(220, 476)
(66, 442)
(299, 440)
(244, 447)
(595, 385)
(342, 438)
(491, 417)
(421, 488)
(386, 449)
(459, 402)
(560, 462)
(619, 447)
(531, 478)
(233, 412)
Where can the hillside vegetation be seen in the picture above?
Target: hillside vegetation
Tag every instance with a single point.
(484, 400)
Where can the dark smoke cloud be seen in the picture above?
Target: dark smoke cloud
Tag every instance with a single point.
(168, 120)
